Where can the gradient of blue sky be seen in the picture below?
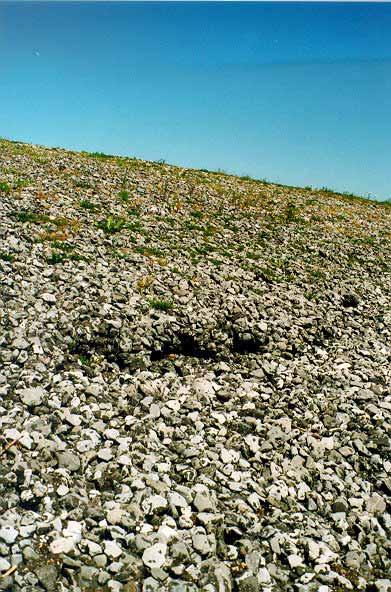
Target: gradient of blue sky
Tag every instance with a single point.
(297, 93)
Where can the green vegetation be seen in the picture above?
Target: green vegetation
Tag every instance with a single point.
(25, 216)
(291, 213)
(196, 214)
(112, 224)
(4, 187)
(163, 305)
(6, 257)
(88, 205)
(101, 155)
(83, 184)
(20, 183)
(63, 246)
(59, 257)
(124, 195)
(84, 360)
(149, 251)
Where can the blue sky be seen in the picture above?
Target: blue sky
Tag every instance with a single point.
(297, 93)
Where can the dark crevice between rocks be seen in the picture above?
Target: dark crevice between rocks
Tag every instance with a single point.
(102, 346)
(182, 344)
(186, 345)
(248, 343)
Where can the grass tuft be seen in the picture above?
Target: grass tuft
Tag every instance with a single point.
(5, 188)
(124, 195)
(6, 257)
(86, 204)
(163, 305)
(111, 224)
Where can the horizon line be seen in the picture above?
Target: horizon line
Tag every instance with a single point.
(370, 2)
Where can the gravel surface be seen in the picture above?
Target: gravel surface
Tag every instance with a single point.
(195, 376)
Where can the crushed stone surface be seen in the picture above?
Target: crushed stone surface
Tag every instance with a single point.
(195, 375)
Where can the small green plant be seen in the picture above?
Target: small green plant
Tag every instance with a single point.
(20, 183)
(62, 246)
(83, 184)
(254, 256)
(136, 227)
(57, 257)
(124, 195)
(6, 257)
(111, 224)
(100, 155)
(163, 305)
(86, 204)
(149, 251)
(84, 360)
(317, 274)
(192, 226)
(196, 214)
(60, 222)
(32, 217)
(290, 213)
(4, 187)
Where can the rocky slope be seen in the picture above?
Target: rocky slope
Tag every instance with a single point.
(194, 380)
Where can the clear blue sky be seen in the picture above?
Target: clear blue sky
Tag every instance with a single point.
(299, 93)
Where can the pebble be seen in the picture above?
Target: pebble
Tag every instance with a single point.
(112, 549)
(62, 545)
(155, 556)
(8, 534)
(32, 397)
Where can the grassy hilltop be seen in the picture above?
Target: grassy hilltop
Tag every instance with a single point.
(194, 380)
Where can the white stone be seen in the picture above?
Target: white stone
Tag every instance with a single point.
(32, 396)
(295, 560)
(154, 411)
(252, 442)
(73, 530)
(112, 549)
(153, 503)
(200, 541)
(50, 298)
(4, 564)
(20, 343)
(12, 434)
(202, 502)
(62, 490)
(62, 545)
(93, 548)
(8, 534)
(173, 404)
(125, 460)
(155, 556)
(203, 388)
(105, 454)
(264, 576)
(166, 533)
(313, 550)
(114, 516)
(376, 504)
(176, 499)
